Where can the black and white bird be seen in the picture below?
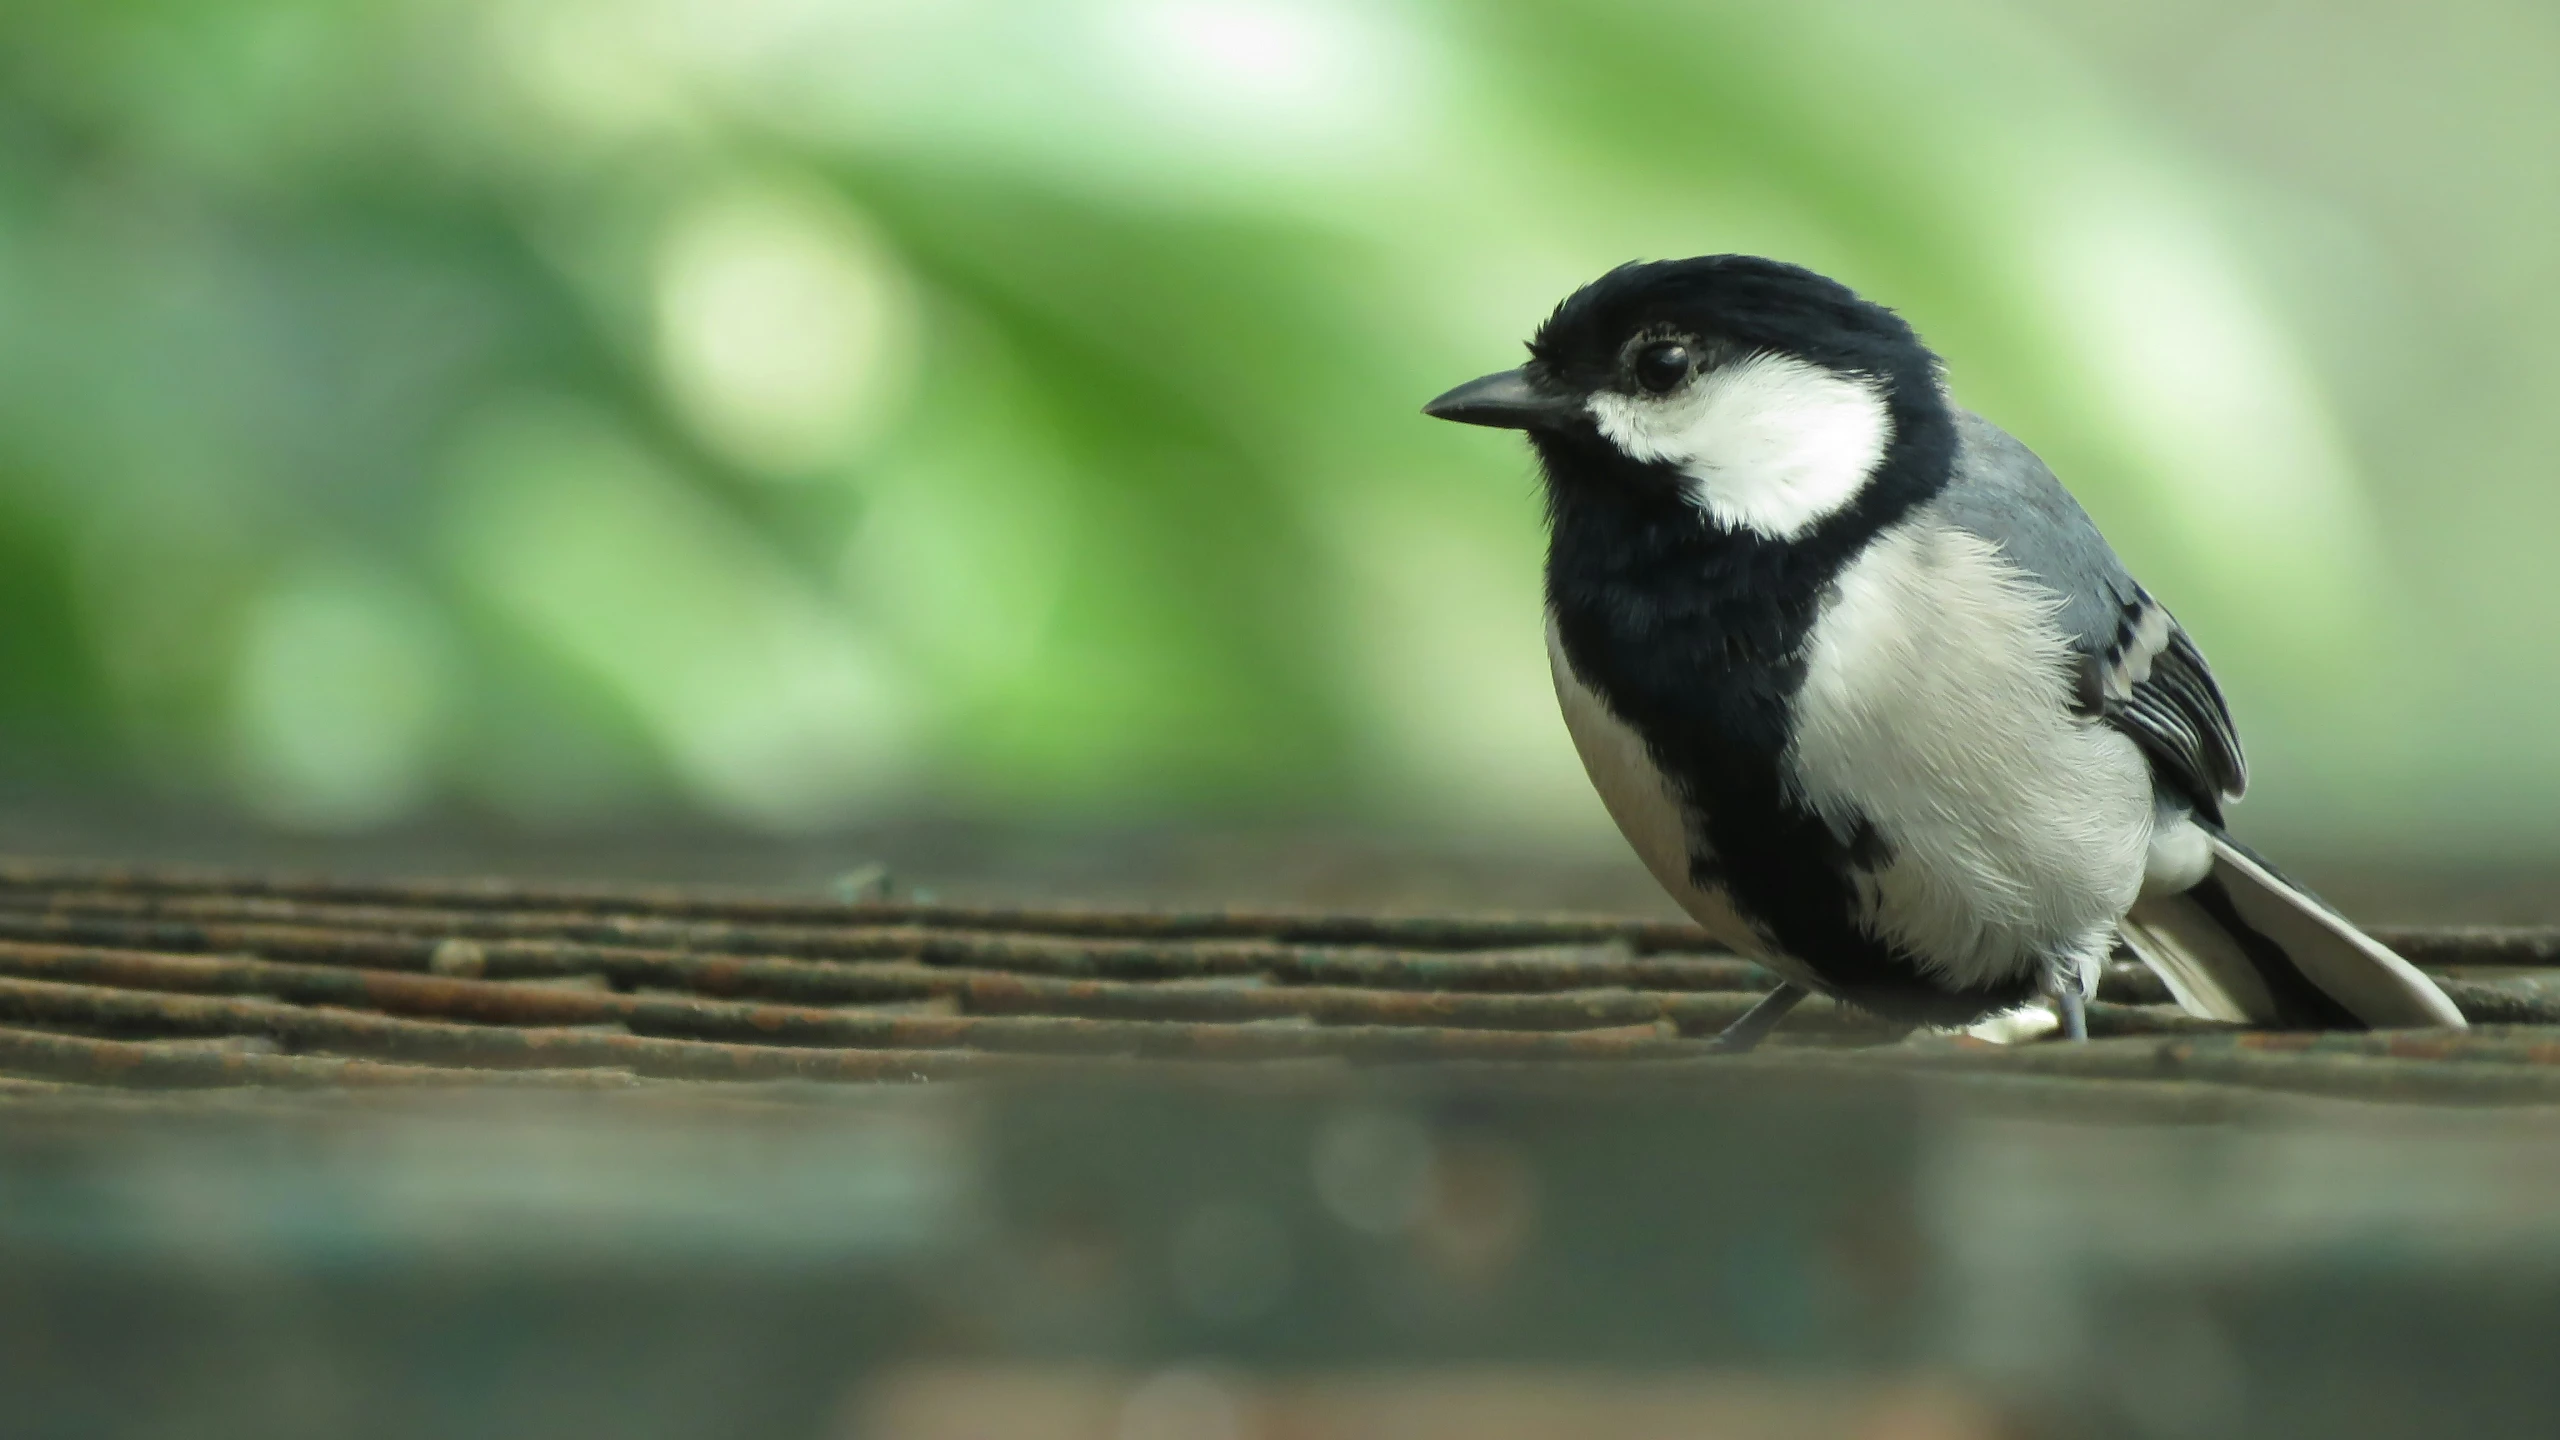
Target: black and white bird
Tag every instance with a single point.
(1866, 689)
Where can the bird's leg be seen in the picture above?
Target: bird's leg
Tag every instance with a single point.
(1758, 1021)
(2073, 1009)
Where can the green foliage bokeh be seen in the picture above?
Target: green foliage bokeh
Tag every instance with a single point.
(354, 463)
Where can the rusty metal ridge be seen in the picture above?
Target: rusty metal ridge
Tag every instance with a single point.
(77, 1062)
(2505, 1065)
(196, 922)
(158, 919)
(862, 966)
(24, 875)
(469, 989)
(1196, 978)
(25, 881)
(787, 1034)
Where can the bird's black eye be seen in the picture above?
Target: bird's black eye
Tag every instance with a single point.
(1661, 366)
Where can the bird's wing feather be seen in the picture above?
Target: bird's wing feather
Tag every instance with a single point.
(2139, 671)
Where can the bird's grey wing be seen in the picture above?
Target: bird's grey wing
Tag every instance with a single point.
(2139, 671)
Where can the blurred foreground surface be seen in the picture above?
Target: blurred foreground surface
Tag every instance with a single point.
(1288, 1258)
(501, 1158)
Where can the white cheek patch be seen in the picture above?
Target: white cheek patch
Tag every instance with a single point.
(1770, 443)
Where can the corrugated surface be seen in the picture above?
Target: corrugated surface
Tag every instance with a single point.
(119, 977)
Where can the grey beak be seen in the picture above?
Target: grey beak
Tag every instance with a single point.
(1508, 400)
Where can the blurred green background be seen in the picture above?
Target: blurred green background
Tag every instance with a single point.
(782, 417)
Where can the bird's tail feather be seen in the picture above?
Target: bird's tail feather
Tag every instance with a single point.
(2246, 944)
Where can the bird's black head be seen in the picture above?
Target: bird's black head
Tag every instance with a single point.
(1763, 394)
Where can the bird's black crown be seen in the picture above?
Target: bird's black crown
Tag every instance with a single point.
(1733, 305)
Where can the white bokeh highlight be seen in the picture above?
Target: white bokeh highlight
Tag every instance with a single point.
(784, 327)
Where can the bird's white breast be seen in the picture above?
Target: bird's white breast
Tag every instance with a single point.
(1936, 707)
(1650, 811)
